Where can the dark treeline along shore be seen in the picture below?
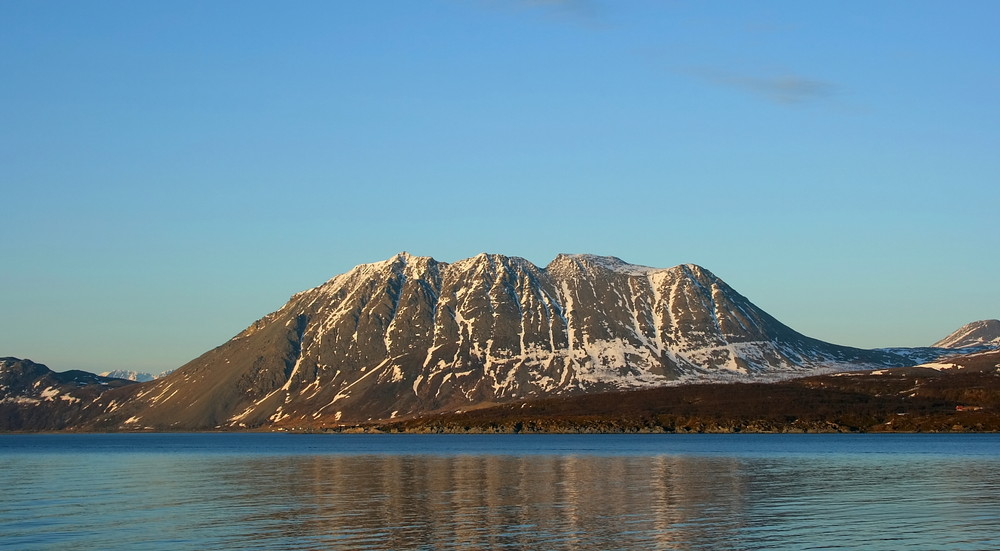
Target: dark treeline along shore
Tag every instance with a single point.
(916, 399)
(899, 400)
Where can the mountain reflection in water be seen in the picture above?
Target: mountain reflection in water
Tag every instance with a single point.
(201, 498)
(495, 502)
(585, 502)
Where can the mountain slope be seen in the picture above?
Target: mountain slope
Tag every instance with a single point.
(962, 399)
(412, 335)
(33, 397)
(977, 333)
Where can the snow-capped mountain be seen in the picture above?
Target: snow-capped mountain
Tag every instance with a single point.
(138, 376)
(411, 335)
(977, 333)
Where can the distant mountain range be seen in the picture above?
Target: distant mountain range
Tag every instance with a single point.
(411, 336)
(137, 376)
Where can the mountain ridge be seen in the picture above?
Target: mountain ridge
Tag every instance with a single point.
(33, 397)
(976, 333)
(411, 335)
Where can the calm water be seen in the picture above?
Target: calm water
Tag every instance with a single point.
(560, 492)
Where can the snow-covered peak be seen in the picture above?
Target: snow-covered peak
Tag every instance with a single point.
(492, 260)
(412, 265)
(402, 261)
(407, 258)
(137, 376)
(617, 265)
(610, 263)
(977, 333)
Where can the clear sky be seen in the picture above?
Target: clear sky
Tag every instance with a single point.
(172, 171)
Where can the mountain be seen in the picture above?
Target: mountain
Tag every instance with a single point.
(33, 397)
(411, 335)
(138, 376)
(977, 333)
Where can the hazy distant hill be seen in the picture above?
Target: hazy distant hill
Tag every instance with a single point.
(138, 376)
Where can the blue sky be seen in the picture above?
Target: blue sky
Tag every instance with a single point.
(172, 171)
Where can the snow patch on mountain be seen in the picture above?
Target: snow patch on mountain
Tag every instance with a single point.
(411, 335)
(977, 333)
(138, 376)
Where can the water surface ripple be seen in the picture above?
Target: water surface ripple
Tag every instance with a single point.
(595, 492)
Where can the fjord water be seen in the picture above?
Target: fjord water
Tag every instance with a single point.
(581, 492)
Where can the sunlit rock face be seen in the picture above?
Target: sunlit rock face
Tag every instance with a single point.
(977, 333)
(411, 335)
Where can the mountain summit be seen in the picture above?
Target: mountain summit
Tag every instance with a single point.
(411, 335)
(977, 333)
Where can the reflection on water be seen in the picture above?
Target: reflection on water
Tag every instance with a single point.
(565, 501)
(491, 502)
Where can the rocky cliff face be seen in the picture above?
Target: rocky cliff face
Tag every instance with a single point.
(412, 335)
